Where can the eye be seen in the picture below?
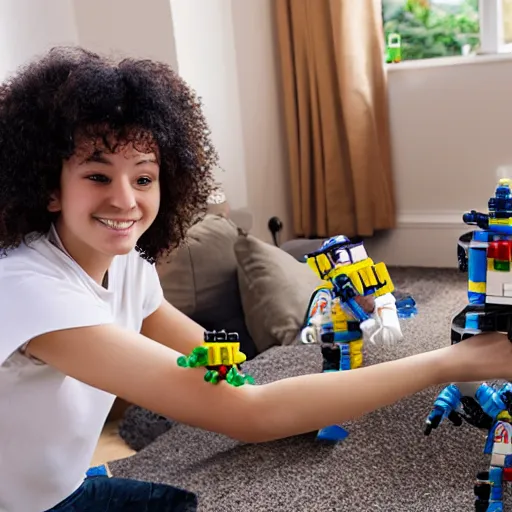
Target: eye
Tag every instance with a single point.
(144, 181)
(343, 256)
(100, 178)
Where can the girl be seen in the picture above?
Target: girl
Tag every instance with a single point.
(103, 168)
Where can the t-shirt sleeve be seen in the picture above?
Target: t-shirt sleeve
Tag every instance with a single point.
(36, 305)
(153, 292)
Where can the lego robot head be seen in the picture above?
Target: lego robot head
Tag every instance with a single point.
(500, 205)
(338, 251)
(341, 251)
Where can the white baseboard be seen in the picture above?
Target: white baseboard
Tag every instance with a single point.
(421, 239)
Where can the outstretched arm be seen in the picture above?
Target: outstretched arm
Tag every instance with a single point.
(145, 372)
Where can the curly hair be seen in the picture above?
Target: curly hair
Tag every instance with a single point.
(72, 91)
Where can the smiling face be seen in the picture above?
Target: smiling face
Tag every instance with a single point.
(106, 202)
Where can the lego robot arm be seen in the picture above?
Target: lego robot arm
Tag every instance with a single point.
(383, 327)
(318, 318)
(475, 402)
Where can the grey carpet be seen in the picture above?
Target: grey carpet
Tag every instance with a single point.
(386, 463)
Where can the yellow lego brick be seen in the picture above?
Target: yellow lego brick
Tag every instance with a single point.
(323, 286)
(384, 277)
(476, 287)
(339, 325)
(500, 222)
(504, 416)
(339, 317)
(490, 264)
(356, 354)
(320, 264)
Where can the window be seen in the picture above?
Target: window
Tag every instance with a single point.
(423, 29)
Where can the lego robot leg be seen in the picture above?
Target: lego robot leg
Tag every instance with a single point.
(345, 360)
(496, 495)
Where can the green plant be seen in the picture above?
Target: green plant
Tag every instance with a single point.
(429, 30)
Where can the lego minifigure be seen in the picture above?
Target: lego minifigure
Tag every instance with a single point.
(354, 304)
(486, 255)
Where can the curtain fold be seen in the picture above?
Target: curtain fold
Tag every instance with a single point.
(336, 115)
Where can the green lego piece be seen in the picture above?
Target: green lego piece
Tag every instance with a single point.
(394, 48)
(198, 357)
(236, 379)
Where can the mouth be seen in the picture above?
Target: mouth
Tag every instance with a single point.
(117, 225)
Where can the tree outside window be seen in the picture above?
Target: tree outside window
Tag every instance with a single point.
(433, 28)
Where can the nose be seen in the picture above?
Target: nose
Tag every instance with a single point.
(122, 195)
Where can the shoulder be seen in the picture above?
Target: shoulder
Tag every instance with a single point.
(34, 259)
(37, 265)
(41, 292)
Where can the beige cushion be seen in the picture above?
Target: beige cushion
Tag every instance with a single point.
(275, 289)
(200, 278)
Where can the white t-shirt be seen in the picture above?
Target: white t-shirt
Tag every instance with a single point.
(50, 423)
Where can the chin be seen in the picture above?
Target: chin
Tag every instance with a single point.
(118, 249)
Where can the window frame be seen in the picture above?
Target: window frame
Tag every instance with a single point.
(492, 37)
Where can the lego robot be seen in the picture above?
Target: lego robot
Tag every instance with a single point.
(486, 255)
(355, 303)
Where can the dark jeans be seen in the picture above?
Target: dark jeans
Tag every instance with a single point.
(104, 494)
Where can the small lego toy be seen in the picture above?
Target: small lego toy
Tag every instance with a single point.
(220, 355)
(354, 303)
(486, 255)
(394, 48)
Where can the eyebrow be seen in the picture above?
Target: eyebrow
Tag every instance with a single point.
(99, 158)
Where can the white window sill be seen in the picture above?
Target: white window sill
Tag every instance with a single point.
(448, 61)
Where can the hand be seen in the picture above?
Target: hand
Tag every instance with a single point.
(312, 333)
(383, 328)
(486, 356)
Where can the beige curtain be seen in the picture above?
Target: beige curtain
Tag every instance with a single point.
(335, 104)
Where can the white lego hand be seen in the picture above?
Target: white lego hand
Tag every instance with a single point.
(383, 328)
(311, 333)
(308, 335)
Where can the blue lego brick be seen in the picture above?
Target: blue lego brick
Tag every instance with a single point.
(97, 471)
(346, 336)
(495, 477)
(481, 236)
(472, 321)
(502, 230)
(332, 434)
(476, 298)
(345, 357)
(477, 270)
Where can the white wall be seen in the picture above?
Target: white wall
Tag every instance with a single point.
(207, 61)
(262, 116)
(127, 28)
(29, 28)
(451, 126)
(226, 50)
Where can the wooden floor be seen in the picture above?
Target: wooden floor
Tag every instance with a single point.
(110, 446)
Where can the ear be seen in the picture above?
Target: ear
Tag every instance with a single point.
(54, 205)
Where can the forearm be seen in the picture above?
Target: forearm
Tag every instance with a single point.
(307, 403)
(172, 328)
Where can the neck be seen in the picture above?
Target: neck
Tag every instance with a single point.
(94, 264)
